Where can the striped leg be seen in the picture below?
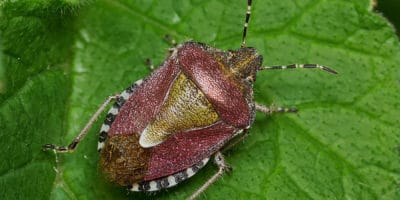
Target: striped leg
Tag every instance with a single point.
(223, 167)
(296, 66)
(84, 131)
(273, 109)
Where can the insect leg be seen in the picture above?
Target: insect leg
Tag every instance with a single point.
(223, 167)
(149, 63)
(236, 140)
(83, 132)
(296, 66)
(170, 40)
(274, 109)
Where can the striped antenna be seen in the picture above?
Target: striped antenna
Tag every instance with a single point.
(246, 23)
(297, 66)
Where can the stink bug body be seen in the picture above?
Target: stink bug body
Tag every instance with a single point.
(164, 128)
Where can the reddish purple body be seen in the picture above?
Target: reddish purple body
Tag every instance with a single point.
(198, 103)
(223, 77)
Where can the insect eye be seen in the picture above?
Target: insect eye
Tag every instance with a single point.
(230, 54)
(250, 79)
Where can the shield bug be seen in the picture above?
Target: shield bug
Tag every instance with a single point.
(164, 128)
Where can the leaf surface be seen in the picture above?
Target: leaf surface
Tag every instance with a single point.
(61, 59)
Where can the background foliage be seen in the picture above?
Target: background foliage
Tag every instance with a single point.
(61, 58)
(389, 8)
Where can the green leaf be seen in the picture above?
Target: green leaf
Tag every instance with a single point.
(60, 59)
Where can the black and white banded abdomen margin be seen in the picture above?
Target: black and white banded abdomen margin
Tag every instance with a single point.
(113, 112)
